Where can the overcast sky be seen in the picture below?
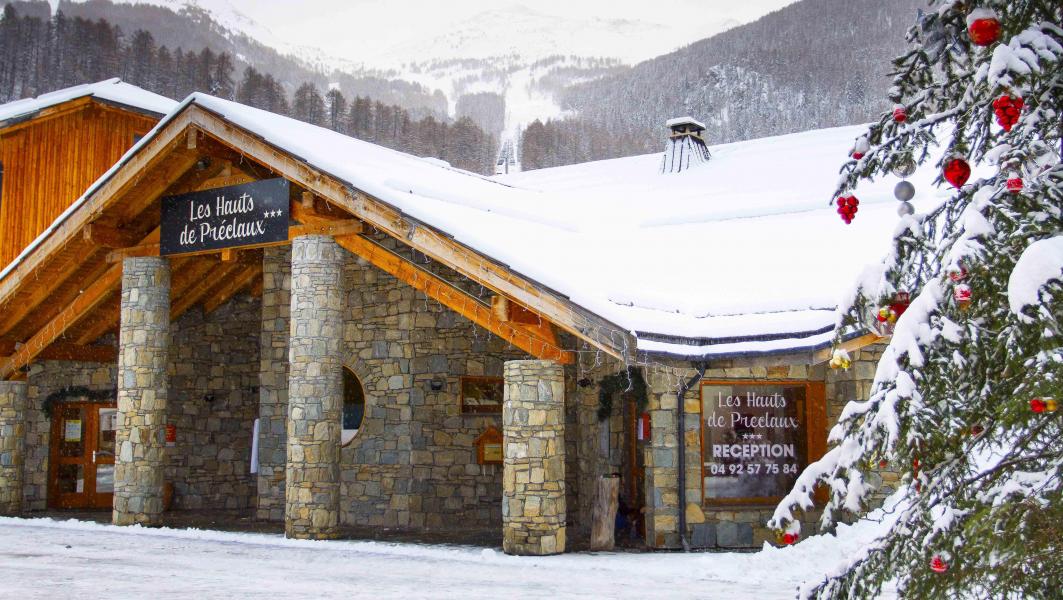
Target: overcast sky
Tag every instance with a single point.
(339, 26)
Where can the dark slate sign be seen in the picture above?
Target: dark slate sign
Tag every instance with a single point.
(227, 217)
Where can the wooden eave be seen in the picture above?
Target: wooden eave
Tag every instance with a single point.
(73, 271)
(72, 106)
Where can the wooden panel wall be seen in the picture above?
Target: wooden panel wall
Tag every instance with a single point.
(49, 164)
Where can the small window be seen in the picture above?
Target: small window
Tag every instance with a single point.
(353, 405)
(482, 394)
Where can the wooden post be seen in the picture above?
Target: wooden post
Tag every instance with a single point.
(606, 498)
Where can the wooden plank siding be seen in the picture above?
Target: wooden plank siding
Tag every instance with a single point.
(49, 164)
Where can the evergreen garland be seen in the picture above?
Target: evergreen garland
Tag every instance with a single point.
(628, 380)
(76, 392)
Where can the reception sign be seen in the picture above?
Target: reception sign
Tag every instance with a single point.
(239, 215)
(754, 439)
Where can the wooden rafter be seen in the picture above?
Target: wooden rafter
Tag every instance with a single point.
(531, 340)
(68, 351)
(71, 314)
(106, 319)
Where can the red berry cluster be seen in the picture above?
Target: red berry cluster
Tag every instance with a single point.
(1007, 110)
(847, 208)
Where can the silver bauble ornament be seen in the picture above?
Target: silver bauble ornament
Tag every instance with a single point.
(905, 168)
(905, 209)
(904, 191)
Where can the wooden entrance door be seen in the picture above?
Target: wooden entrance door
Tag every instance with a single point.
(81, 473)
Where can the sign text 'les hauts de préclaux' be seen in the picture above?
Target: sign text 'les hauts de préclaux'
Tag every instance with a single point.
(238, 215)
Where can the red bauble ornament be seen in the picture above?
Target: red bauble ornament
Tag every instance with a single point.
(957, 172)
(790, 538)
(1043, 405)
(983, 27)
(962, 294)
(1015, 185)
(900, 114)
(977, 430)
(882, 464)
(1007, 110)
(957, 275)
(860, 148)
(938, 565)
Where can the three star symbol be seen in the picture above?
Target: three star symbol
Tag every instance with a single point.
(271, 213)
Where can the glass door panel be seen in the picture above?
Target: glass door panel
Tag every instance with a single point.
(82, 455)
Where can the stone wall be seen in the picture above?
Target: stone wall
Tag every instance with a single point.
(213, 403)
(413, 462)
(213, 356)
(273, 382)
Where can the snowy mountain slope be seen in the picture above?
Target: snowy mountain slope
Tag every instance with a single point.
(470, 46)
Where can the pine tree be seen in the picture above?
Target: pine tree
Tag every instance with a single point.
(336, 106)
(962, 399)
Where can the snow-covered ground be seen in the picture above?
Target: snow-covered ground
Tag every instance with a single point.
(44, 558)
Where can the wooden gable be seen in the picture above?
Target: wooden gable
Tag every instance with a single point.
(49, 159)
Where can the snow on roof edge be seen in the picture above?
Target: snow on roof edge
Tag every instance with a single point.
(112, 91)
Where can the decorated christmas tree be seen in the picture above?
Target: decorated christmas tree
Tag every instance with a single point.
(965, 398)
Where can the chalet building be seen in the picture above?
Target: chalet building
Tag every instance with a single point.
(250, 313)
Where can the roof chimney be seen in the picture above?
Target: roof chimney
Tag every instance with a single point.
(685, 147)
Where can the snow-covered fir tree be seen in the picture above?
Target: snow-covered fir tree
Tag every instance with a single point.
(964, 398)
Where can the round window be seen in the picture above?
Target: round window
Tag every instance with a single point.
(353, 404)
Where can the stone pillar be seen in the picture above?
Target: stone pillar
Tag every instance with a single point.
(273, 383)
(12, 442)
(661, 465)
(533, 472)
(143, 386)
(315, 389)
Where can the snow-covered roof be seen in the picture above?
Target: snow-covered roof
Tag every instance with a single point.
(112, 91)
(741, 256)
(684, 121)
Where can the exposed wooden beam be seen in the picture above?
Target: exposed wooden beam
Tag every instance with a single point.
(181, 275)
(45, 291)
(191, 138)
(531, 340)
(333, 228)
(232, 286)
(109, 237)
(68, 351)
(849, 345)
(95, 293)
